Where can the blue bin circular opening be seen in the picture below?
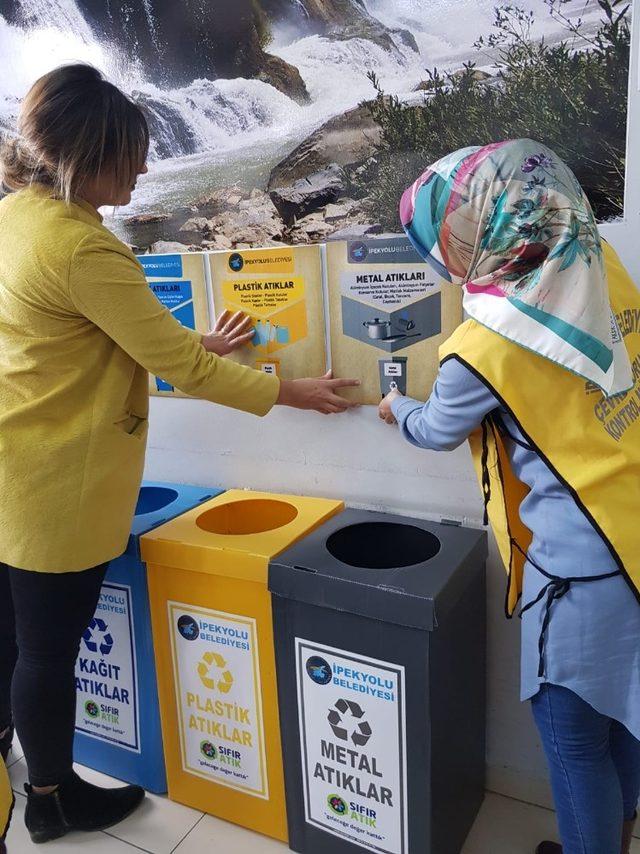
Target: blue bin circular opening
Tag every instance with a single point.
(152, 498)
(382, 545)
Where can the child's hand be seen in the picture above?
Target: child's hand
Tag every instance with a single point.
(384, 410)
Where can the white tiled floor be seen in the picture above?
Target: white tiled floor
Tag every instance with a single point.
(162, 827)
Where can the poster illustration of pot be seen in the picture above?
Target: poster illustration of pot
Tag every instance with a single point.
(389, 314)
(281, 289)
(179, 282)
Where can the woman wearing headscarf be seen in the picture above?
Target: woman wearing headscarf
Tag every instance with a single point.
(543, 380)
(79, 330)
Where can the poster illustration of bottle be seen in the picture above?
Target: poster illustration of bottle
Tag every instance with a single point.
(281, 289)
(179, 282)
(389, 314)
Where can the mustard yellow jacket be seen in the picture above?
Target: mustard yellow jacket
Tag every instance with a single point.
(6, 802)
(79, 331)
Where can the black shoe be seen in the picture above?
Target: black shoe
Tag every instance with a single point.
(5, 743)
(549, 848)
(77, 805)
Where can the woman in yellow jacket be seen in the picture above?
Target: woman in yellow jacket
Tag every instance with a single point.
(80, 331)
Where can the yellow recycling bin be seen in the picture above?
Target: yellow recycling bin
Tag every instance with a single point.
(213, 640)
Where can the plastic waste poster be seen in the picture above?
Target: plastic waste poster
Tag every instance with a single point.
(107, 700)
(179, 282)
(217, 678)
(281, 289)
(389, 314)
(353, 746)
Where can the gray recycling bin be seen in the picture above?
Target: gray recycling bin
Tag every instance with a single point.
(380, 648)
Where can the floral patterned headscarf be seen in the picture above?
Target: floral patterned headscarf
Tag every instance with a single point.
(511, 224)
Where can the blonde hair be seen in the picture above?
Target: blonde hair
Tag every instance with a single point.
(74, 126)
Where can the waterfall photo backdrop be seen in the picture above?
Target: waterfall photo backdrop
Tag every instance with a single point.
(290, 121)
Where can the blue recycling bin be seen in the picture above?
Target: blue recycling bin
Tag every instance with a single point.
(117, 715)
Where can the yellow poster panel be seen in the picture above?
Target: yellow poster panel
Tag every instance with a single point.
(389, 313)
(179, 282)
(281, 290)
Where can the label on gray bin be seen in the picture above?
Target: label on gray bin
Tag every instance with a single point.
(217, 682)
(353, 742)
(106, 682)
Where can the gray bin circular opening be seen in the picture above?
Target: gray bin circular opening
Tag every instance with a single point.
(382, 545)
(152, 498)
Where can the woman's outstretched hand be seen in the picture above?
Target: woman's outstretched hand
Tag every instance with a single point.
(318, 394)
(384, 410)
(230, 332)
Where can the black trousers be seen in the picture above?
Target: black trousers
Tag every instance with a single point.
(42, 618)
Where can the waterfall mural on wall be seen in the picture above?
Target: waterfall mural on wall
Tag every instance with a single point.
(287, 121)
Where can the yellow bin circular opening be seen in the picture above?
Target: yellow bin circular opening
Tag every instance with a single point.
(254, 516)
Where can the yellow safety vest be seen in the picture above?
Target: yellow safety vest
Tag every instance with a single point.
(590, 442)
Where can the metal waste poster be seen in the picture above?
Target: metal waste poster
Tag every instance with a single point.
(217, 682)
(353, 746)
(179, 282)
(106, 680)
(281, 289)
(389, 314)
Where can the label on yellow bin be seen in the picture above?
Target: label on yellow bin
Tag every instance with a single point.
(217, 679)
(353, 745)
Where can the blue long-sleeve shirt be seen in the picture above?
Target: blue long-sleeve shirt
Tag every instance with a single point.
(593, 641)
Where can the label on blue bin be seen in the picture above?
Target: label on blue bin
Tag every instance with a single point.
(353, 746)
(106, 681)
(217, 677)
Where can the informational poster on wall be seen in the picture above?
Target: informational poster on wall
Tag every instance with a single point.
(107, 704)
(281, 289)
(179, 282)
(217, 678)
(353, 746)
(389, 314)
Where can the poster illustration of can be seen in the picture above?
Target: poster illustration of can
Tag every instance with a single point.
(352, 722)
(107, 701)
(179, 282)
(389, 313)
(281, 289)
(217, 682)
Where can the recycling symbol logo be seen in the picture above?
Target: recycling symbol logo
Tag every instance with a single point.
(96, 637)
(346, 719)
(213, 673)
